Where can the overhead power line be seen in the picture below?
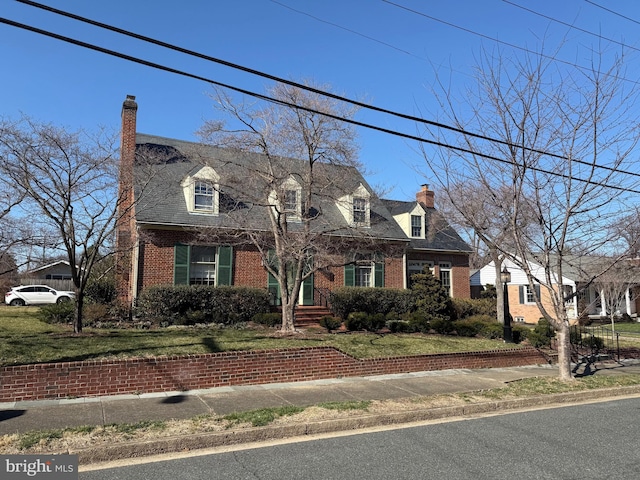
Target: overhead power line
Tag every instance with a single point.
(612, 11)
(573, 27)
(296, 84)
(502, 42)
(291, 105)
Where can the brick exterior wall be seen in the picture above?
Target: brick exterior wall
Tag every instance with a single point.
(459, 269)
(190, 372)
(157, 255)
(529, 311)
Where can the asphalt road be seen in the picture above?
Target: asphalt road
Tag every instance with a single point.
(600, 440)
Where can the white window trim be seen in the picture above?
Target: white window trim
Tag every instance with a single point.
(421, 226)
(204, 175)
(346, 205)
(446, 267)
(279, 204)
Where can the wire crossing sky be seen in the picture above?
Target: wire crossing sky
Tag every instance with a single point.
(383, 53)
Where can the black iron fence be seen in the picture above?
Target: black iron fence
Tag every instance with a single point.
(593, 343)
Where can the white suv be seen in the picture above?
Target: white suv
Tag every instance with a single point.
(36, 295)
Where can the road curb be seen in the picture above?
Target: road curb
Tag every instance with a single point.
(258, 434)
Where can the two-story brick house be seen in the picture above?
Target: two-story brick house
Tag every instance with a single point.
(189, 215)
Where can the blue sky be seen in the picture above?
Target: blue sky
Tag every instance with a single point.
(365, 49)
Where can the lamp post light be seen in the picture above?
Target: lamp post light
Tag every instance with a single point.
(507, 334)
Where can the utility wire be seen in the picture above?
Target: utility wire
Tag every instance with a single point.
(502, 42)
(612, 11)
(291, 105)
(597, 35)
(318, 19)
(298, 85)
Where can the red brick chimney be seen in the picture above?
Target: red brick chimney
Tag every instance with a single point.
(425, 197)
(125, 219)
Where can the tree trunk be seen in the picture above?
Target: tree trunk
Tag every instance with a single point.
(288, 315)
(564, 352)
(77, 318)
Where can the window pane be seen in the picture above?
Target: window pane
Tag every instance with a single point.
(203, 199)
(363, 275)
(416, 226)
(203, 265)
(291, 201)
(359, 210)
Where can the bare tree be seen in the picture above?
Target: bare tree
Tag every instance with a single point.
(614, 288)
(305, 160)
(70, 184)
(565, 138)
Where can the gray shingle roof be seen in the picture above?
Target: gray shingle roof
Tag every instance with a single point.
(163, 163)
(439, 234)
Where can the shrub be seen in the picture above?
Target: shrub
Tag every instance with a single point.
(492, 331)
(101, 291)
(462, 308)
(94, 312)
(187, 305)
(400, 326)
(376, 322)
(346, 300)
(270, 319)
(418, 322)
(330, 323)
(520, 333)
(57, 312)
(431, 298)
(468, 328)
(363, 321)
(443, 326)
(356, 321)
(542, 334)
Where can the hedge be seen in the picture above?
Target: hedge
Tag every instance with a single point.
(347, 300)
(188, 305)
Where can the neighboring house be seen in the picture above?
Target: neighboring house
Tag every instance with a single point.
(595, 284)
(57, 275)
(603, 287)
(185, 208)
(522, 305)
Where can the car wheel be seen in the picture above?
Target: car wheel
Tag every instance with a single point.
(63, 300)
(17, 302)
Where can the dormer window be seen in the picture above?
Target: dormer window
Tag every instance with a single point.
(203, 196)
(416, 226)
(359, 210)
(201, 191)
(288, 200)
(356, 207)
(291, 202)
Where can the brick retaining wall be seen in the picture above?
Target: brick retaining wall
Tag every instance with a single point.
(190, 372)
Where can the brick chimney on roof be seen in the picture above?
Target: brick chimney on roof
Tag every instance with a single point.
(425, 197)
(125, 219)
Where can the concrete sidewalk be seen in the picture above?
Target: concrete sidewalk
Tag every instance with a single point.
(20, 417)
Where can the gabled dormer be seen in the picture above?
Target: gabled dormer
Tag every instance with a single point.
(202, 191)
(356, 207)
(412, 221)
(287, 200)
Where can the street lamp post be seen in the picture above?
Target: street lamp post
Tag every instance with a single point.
(507, 334)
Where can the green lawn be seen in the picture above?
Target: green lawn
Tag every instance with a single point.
(25, 339)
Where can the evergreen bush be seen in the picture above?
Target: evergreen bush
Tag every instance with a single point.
(188, 305)
(57, 312)
(330, 323)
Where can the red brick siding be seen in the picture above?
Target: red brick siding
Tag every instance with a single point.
(459, 269)
(189, 372)
(156, 264)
